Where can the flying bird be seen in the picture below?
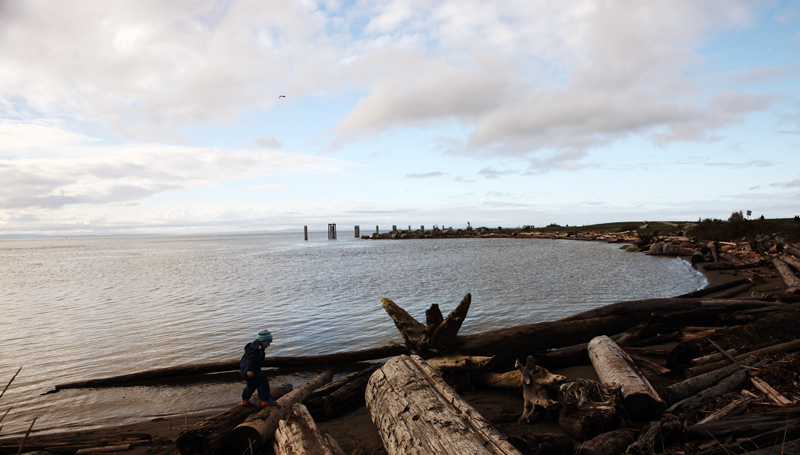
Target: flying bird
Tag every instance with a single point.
(282, 96)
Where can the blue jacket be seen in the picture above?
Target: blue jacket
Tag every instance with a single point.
(253, 358)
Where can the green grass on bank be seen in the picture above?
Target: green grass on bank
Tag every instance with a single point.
(735, 228)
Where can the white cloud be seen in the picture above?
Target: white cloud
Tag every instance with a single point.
(52, 174)
(17, 136)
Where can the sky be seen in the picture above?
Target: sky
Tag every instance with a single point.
(190, 117)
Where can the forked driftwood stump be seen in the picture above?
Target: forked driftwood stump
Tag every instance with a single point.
(588, 408)
(416, 412)
(437, 335)
(614, 366)
(535, 380)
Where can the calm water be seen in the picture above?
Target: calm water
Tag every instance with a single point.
(74, 309)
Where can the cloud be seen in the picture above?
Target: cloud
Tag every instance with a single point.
(267, 142)
(491, 173)
(747, 165)
(21, 135)
(553, 76)
(426, 175)
(55, 176)
(270, 187)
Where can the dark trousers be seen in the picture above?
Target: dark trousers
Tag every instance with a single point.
(258, 382)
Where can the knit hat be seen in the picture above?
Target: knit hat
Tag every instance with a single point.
(264, 337)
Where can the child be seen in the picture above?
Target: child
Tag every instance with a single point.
(251, 370)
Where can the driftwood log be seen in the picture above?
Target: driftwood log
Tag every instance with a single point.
(312, 361)
(610, 443)
(416, 412)
(297, 434)
(258, 429)
(790, 346)
(686, 408)
(688, 387)
(208, 436)
(344, 394)
(791, 280)
(614, 366)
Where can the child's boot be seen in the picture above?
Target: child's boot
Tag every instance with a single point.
(269, 403)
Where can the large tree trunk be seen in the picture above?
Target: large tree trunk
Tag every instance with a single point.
(521, 341)
(207, 436)
(312, 361)
(791, 260)
(299, 435)
(647, 306)
(714, 289)
(416, 412)
(259, 428)
(613, 365)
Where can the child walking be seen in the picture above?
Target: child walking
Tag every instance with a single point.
(251, 372)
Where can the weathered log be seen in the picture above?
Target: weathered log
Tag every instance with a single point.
(742, 425)
(713, 289)
(259, 428)
(655, 435)
(678, 391)
(103, 449)
(687, 407)
(636, 306)
(521, 341)
(340, 396)
(535, 380)
(653, 367)
(588, 408)
(780, 435)
(735, 292)
(712, 357)
(771, 393)
(729, 266)
(791, 346)
(733, 408)
(614, 366)
(208, 435)
(454, 362)
(791, 280)
(778, 327)
(297, 434)
(610, 443)
(791, 260)
(647, 351)
(233, 365)
(791, 250)
(416, 412)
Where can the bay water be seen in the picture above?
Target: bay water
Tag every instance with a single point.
(82, 308)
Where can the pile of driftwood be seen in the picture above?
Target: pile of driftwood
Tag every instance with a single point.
(696, 374)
